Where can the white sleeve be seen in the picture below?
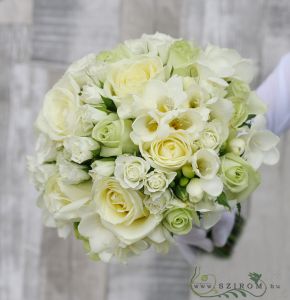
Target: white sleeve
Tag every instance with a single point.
(275, 92)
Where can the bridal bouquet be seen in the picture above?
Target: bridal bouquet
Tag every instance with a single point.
(139, 143)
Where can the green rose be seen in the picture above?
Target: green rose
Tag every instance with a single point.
(178, 220)
(239, 178)
(181, 55)
(241, 111)
(238, 88)
(120, 52)
(114, 136)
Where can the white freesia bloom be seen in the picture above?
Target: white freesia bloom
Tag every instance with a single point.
(157, 181)
(102, 168)
(80, 149)
(130, 171)
(147, 128)
(205, 163)
(261, 144)
(186, 120)
(198, 186)
(221, 109)
(197, 96)
(159, 96)
(71, 173)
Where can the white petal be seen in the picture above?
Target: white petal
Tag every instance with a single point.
(210, 219)
(255, 105)
(271, 157)
(254, 158)
(88, 225)
(139, 229)
(213, 187)
(264, 140)
(194, 188)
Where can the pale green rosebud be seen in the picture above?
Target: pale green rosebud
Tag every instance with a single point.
(239, 89)
(239, 178)
(241, 111)
(120, 52)
(178, 220)
(114, 136)
(181, 54)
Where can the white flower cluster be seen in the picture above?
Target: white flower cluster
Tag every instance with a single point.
(138, 143)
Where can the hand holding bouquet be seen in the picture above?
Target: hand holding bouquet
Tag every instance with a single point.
(138, 143)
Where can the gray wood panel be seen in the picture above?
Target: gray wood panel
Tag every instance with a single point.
(34, 263)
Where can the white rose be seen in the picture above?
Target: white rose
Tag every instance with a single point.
(130, 171)
(186, 120)
(157, 204)
(102, 168)
(225, 63)
(156, 44)
(81, 149)
(122, 211)
(205, 163)
(128, 76)
(170, 153)
(71, 173)
(79, 69)
(159, 96)
(214, 134)
(157, 181)
(261, 144)
(59, 112)
(40, 173)
(46, 149)
(63, 204)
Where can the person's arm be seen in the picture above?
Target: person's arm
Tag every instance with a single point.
(275, 92)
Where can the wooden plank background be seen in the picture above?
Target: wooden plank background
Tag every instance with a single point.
(38, 39)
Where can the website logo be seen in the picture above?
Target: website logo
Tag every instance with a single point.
(208, 286)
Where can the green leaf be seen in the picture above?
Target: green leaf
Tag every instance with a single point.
(248, 121)
(222, 200)
(76, 230)
(110, 105)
